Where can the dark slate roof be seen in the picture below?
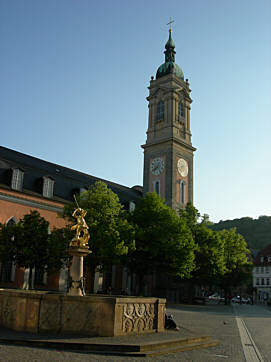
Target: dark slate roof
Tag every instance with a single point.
(67, 181)
(265, 253)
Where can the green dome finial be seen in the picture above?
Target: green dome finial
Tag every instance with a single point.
(169, 67)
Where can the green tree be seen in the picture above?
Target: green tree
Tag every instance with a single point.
(238, 268)
(163, 240)
(257, 232)
(209, 256)
(29, 245)
(7, 243)
(57, 249)
(111, 235)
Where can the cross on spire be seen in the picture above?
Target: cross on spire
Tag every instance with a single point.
(169, 23)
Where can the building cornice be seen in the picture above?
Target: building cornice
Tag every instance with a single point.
(166, 140)
(30, 203)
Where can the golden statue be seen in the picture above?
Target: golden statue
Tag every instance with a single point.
(82, 235)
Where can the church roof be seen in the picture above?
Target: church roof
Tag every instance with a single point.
(67, 182)
(169, 66)
(264, 257)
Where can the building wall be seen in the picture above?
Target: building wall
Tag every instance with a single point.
(262, 282)
(16, 204)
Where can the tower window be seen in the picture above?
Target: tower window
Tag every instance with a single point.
(156, 187)
(182, 192)
(48, 187)
(17, 179)
(160, 111)
(181, 110)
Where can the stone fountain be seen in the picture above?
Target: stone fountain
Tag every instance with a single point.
(76, 313)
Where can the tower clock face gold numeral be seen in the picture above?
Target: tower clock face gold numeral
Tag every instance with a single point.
(182, 167)
(157, 166)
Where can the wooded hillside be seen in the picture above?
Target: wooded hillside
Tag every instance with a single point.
(257, 232)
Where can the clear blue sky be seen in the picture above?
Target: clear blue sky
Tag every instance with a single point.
(74, 77)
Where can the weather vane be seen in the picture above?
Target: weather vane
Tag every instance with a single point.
(170, 22)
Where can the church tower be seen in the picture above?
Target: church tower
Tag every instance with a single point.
(168, 151)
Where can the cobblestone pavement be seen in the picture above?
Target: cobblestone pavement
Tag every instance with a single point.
(217, 321)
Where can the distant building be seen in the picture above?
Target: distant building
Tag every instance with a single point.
(262, 275)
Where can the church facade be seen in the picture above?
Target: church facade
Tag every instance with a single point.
(28, 183)
(168, 151)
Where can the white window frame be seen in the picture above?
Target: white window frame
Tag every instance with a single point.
(17, 179)
(48, 187)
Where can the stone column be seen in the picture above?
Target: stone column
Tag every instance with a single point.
(76, 274)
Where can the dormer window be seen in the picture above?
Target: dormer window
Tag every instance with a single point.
(132, 206)
(160, 111)
(48, 187)
(17, 179)
(181, 110)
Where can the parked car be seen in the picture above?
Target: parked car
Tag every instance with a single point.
(243, 300)
(216, 297)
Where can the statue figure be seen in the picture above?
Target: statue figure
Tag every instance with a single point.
(82, 235)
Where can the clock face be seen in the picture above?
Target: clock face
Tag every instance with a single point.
(157, 166)
(182, 167)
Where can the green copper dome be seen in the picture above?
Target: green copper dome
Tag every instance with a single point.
(169, 67)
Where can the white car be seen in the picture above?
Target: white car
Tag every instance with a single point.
(216, 297)
(237, 299)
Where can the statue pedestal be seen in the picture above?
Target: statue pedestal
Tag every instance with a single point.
(76, 274)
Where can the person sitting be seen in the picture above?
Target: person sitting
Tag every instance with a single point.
(170, 323)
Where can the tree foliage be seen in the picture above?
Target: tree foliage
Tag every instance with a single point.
(209, 258)
(29, 244)
(163, 240)
(238, 268)
(221, 257)
(257, 232)
(111, 235)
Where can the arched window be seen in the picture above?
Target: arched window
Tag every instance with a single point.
(160, 111)
(8, 266)
(183, 192)
(156, 187)
(181, 110)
